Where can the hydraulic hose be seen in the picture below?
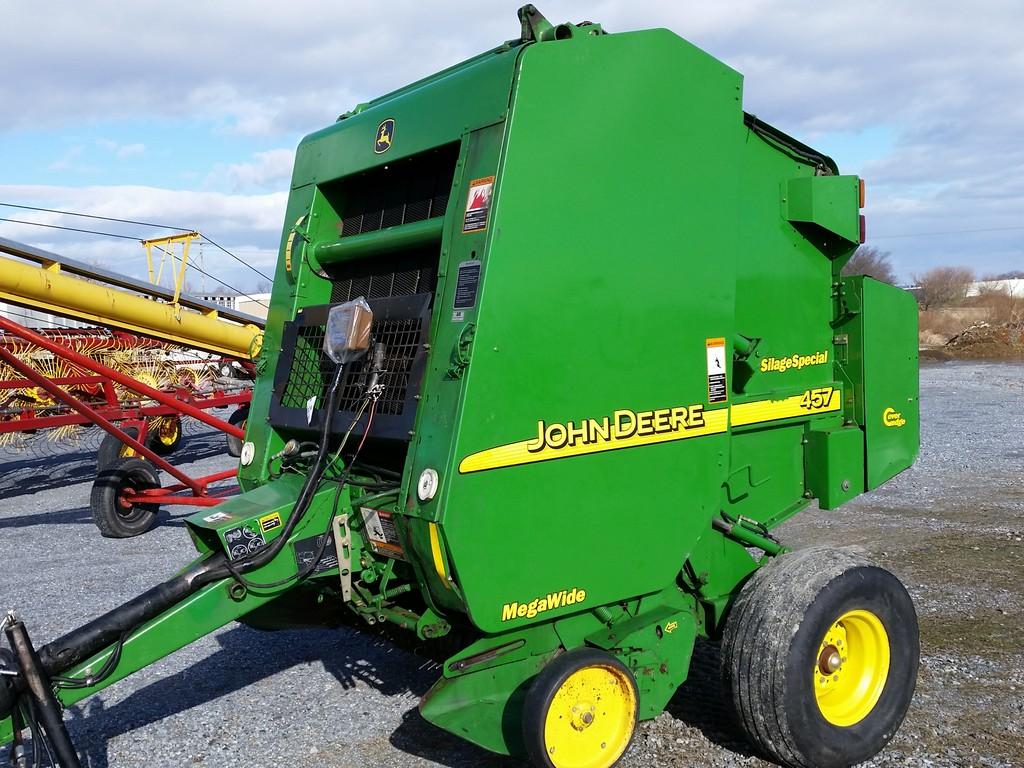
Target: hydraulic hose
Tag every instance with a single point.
(89, 639)
(309, 486)
(47, 709)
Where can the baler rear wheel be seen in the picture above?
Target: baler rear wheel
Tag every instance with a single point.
(820, 655)
(114, 516)
(580, 711)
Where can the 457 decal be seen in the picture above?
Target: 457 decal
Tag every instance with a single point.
(814, 400)
(811, 401)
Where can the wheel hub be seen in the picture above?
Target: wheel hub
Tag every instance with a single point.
(583, 715)
(829, 660)
(851, 667)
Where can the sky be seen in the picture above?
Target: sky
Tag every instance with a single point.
(187, 114)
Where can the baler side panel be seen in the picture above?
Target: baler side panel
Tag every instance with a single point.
(783, 301)
(594, 256)
(883, 364)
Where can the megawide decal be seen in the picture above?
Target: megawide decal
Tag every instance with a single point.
(811, 401)
(385, 135)
(548, 602)
(793, 362)
(623, 429)
(893, 418)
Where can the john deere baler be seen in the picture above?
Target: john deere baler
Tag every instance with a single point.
(558, 337)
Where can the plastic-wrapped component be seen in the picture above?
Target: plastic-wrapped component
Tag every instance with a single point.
(347, 335)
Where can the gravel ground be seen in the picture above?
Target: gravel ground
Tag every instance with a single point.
(951, 528)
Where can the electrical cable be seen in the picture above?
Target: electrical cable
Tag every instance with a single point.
(311, 568)
(296, 515)
(94, 216)
(219, 281)
(229, 253)
(309, 487)
(69, 229)
(795, 149)
(136, 223)
(129, 237)
(108, 668)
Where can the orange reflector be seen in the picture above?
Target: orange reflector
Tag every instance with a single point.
(860, 193)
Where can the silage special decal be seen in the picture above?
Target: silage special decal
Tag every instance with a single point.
(793, 362)
(622, 429)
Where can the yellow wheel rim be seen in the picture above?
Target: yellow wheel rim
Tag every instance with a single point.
(168, 431)
(851, 667)
(591, 718)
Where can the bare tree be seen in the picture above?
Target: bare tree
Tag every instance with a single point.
(870, 261)
(943, 286)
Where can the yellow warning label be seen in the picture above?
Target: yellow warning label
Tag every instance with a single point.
(270, 522)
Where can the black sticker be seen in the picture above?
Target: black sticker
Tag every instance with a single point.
(241, 542)
(467, 285)
(306, 549)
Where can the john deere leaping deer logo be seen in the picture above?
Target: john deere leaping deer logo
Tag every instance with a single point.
(385, 135)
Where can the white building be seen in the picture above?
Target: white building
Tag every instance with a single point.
(34, 318)
(255, 304)
(1014, 287)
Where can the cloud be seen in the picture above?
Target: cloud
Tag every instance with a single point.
(121, 150)
(249, 226)
(68, 160)
(270, 169)
(947, 81)
(131, 150)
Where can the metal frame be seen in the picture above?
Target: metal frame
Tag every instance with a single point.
(180, 402)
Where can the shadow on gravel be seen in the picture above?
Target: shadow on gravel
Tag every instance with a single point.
(24, 475)
(27, 476)
(79, 516)
(415, 736)
(351, 657)
(700, 702)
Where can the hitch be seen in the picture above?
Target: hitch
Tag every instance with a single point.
(42, 703)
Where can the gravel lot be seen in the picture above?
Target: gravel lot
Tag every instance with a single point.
(951, 528)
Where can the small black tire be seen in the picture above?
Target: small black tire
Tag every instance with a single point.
(612, 707)
(164, 435)
(112, 450)
(783, 658)
(116, 518)
(238, 419)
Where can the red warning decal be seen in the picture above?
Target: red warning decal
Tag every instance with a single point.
(478, 204)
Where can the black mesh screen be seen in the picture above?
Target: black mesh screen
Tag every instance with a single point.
(401, 192)
(403, 274)
(311, 368)
(401, 324)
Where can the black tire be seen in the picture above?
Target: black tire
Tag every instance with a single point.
(164, 435)
(112, 450)
(774, 650)
(114, 518)
(542, 693)
(238, 419)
